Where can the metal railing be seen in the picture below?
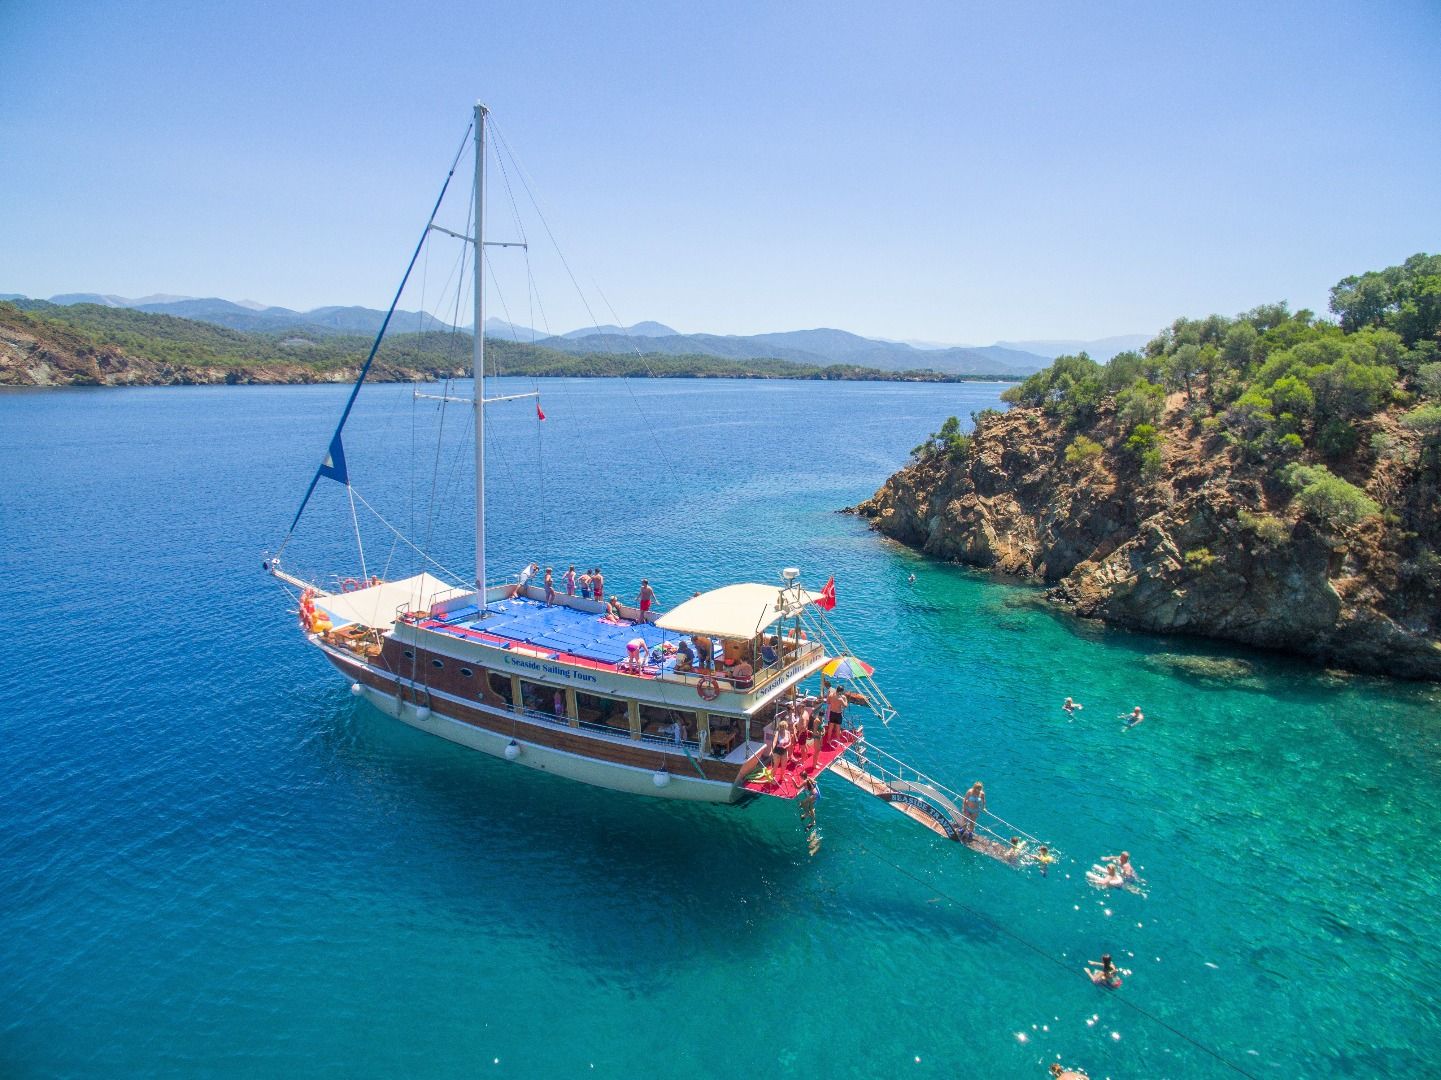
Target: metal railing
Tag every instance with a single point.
(899, 777)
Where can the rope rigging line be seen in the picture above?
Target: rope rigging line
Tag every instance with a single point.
(585, 302)
(455, 578)
(333, 464)
(1062, 964)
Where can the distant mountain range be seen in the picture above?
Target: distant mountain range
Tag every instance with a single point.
(821, 346)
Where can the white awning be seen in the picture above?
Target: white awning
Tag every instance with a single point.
(736, 611)
(377, 605)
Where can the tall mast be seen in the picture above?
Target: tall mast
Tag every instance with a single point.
(479, 365)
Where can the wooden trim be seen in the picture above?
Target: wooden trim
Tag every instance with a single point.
(637, 755)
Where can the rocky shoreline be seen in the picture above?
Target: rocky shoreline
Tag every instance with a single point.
(1209, 548)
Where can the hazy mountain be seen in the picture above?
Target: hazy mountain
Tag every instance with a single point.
(1100, 350)
(823, 346)
(640, 329)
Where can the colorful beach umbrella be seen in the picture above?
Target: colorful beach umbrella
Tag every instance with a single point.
(847, 667)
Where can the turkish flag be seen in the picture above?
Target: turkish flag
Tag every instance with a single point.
(826, 601)
(538, 414)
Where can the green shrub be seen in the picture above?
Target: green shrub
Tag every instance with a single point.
(1270, 530)
(1152, 465)
(948, 442)
(1428, 380)
(1336, 439)
(1290, 445)
(1143, 438)
(1142, 402)
(1326, 497)
(1426, 419)
(1199, 559)
(1082, 451)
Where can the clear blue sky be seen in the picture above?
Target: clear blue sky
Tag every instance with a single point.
(950, 171)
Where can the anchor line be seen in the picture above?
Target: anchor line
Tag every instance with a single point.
(1064, 965)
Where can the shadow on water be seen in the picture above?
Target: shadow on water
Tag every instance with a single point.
(620, 849)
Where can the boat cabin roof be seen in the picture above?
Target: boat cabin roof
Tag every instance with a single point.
(735, 611)
(376, 606)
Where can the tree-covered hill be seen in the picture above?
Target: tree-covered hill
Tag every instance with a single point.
(1272, 478)
(91, 344)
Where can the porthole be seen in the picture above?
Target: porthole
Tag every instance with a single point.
(466, 672)
(410, 654)
(437, 663)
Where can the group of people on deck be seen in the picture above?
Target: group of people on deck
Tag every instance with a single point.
(810, 728)
(588, 585)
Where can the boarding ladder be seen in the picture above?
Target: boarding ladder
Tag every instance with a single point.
(928, 802)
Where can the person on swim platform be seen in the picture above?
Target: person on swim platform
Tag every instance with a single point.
(646, 597)
(781, 747)
(549, 585)
(612, 609)
(585, 585)
(570, 582)
(972, 803)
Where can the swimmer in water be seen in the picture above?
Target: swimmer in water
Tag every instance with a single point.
(1044, 858)
(1135, 717)
(1018, 850)
(1122, 863)
(912, 579)
(1105, 877)
(1072, 707)
(1105, 973)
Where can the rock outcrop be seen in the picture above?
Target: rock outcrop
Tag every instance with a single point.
(1212, 547)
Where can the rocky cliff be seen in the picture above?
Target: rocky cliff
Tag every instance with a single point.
(1211, 544)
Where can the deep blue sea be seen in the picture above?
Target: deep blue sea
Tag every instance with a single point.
(215, 862)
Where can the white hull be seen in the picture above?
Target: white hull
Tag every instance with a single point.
(605, 774)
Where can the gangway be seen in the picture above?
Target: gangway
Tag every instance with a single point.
(930, 803)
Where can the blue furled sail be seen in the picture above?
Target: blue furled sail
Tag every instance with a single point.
(332, 466)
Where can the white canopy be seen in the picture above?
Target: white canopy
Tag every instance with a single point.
(377, 605)
(736, 611)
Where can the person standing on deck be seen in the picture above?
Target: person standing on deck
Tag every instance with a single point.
(645, 599)
(549, 586)
(835, 715)
(585, 585)
(705, 652)
(597, 583)
(570, 582)
(528, 573)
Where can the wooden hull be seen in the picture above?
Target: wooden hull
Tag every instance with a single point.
(621, 765)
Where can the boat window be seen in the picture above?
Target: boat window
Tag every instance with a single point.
(499, 686)
(466, 672)
(410, 654)
(601, 712)
(542, 699)
(655, 720)
(437, 663)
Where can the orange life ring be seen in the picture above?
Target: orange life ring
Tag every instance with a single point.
(349, 585)
(708, 688)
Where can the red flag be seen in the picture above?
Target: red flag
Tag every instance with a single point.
(826, 601)
(538, 414)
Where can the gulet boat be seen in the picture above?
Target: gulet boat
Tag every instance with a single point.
(681, 704)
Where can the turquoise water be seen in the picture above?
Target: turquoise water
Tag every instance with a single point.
(216, 862)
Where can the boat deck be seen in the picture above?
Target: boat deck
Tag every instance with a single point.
(788, 784)
(554, 632)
